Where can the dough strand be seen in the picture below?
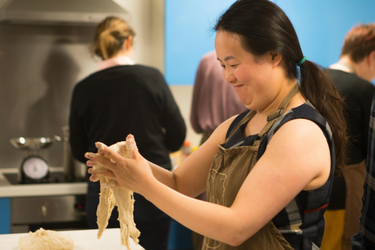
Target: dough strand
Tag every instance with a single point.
(111, 196)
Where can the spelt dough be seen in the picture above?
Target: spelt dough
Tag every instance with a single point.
(111, 196)
(46, 239)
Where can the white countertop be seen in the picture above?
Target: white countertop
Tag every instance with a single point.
(83, 240)
(45, 189)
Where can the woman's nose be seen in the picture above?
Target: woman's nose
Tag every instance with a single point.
(228, 76)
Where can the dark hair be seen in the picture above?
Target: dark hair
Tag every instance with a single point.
(263, 27)
(359, 42)
(109, 37)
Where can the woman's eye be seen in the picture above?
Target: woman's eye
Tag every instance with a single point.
(233, 66)
(223, 66)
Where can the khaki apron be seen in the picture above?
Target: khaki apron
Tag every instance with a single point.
(341, 224)
(354, 176)
(229, 170)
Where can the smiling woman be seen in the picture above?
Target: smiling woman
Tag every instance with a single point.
(267, 172)
(251, 76)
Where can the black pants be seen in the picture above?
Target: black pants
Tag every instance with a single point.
(150, 221)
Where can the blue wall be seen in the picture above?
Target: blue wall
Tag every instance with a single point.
(320, 24)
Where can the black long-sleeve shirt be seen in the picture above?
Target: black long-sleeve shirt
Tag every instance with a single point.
(357, 94)
(129, 99)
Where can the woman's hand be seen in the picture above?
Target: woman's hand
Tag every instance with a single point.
(133, 174)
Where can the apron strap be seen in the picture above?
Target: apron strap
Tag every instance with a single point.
(271, 118)
(244, 120)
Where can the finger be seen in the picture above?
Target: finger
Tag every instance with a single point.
(102, 161)
(107, 173)
(136, 154)
(108, 152)
(91, 163)
(130, 137)
(94, 178)
(97, 159)
(90, 155)
(100, 146)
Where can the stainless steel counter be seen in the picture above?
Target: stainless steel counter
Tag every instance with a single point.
(45, 189)
(50, 205)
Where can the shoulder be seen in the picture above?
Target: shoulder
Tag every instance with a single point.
(220, 133)
(128, 70)
(235, 120)
(123, 72)
(304, 147)
(303, 112)
(209, 56)
(348, 83)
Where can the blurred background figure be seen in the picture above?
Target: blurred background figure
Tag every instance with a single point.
(364, 238)
(352, 75)
(214, 101)
(124, 98)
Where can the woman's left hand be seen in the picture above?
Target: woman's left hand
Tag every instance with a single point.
(133, 174)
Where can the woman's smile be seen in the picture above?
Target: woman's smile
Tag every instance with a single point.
(237, 87)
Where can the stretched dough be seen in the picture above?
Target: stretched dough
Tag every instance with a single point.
(46, 239)
(123, 198)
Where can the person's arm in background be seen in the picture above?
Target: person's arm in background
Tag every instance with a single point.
(77, 135)
(368, 94)
(194, 111)
(173, 122)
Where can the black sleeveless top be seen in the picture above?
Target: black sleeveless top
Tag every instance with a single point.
(301, 222)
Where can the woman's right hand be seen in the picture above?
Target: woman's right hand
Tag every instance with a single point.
(133, 174)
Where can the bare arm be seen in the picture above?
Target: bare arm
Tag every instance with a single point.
(190, 177)
(297, 158)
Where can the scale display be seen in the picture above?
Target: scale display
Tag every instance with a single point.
(35, 167)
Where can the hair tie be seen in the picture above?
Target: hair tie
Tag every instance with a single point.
(302, 61)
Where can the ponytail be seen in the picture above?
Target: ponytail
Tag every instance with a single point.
(316, 86)
(109, 37)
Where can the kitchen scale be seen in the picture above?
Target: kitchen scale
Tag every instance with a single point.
(33, 169)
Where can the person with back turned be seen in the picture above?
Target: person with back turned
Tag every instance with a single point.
(122, 98)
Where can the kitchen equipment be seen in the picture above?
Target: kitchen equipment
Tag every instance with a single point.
(55, 204)
(57, 12)
(33, 144)
(73, 169)
(34, 169)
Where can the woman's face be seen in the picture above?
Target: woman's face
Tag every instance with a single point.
(251, 76)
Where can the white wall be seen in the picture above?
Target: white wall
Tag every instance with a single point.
(183, 95)
(147, 19)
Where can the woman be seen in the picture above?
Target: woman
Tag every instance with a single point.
(271, 175)
(122, 98)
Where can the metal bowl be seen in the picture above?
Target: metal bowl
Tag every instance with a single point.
(35, 143)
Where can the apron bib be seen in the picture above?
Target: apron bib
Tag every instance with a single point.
(229, 170)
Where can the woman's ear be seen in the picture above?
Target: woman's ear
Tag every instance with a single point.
(276, 58)
(128, 43)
